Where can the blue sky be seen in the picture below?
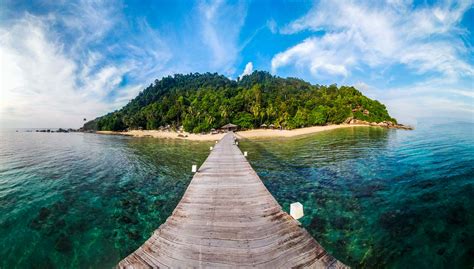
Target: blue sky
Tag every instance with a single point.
(62, 61)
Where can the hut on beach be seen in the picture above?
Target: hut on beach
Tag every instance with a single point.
(229, 127)
(264, 126)
(272, 126)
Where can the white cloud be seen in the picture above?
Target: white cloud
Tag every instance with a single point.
(362, 86)
(42, 85)
(424, 39)
(220, 30)
(373, 37)
(320, 55)
(86, 58)
(464, 93)
(38, 81)
(90, 20)
(148, 52)
(58, 68)
(247, 70)
(272, 26)
(434, 98)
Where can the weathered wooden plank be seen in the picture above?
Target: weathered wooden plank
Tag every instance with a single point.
(227, 218)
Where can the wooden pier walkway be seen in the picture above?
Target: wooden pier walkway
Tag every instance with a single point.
(228, 219)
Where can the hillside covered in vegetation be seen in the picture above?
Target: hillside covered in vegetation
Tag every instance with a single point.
(200, 102)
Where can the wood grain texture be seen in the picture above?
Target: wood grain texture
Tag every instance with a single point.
(228, 219)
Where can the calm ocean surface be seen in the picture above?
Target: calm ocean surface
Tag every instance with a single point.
(373, 197)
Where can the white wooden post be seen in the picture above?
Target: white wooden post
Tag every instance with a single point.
(245, 153)
(211, 148)
(296, 210)
(194, 168)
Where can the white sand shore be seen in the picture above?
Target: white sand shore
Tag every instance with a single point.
(257, 133)
(166, 134)
(268, 133)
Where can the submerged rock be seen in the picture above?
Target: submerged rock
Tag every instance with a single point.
(318, 225)
(368, 191)
(441, 251)
(457, 216)
(340, 223)
(429, 197)
(127, 219)
(44, 213)
(41, 220)
(399, 223)
(133, 235)
(63, 243)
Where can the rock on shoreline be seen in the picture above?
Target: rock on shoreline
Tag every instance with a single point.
(386, 124)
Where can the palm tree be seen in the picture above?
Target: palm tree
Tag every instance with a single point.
(224, 112)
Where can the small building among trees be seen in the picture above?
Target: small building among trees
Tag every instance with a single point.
(229, 127)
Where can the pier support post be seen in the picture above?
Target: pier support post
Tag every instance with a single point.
(296, 210)
(245, 154)
(194, 168)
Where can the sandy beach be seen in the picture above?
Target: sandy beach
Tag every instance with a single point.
(249, 134)
(166, 134)
(269, 133)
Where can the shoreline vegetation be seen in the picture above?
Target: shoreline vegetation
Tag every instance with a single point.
(201, 103)
(246, 134)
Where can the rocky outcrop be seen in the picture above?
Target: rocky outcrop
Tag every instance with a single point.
(386, 124)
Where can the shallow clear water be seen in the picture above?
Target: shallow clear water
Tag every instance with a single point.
(378, 198)
(372, 197)
(85, 200)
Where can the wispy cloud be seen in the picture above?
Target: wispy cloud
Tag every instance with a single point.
(63, 61)
(41, 84)
(85, 58)
(272, 26)
(433, 98)
(425, 39)
(56, 70)
(322, 56)
(389, 42)
(88, 21)
(220, 29)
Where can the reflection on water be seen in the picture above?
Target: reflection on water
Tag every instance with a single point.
(83, 200)
(376, 197)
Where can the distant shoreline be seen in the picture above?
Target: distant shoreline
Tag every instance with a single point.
(248, 134)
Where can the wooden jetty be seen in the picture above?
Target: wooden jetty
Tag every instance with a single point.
(228, 219)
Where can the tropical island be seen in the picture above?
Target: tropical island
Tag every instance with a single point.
(202, 103)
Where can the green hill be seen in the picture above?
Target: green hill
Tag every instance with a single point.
(200, 102)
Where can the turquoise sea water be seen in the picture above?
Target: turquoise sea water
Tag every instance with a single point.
(378, 198)
(374, 198)
(84, 200)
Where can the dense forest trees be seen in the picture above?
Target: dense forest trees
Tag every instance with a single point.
(200, 102)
